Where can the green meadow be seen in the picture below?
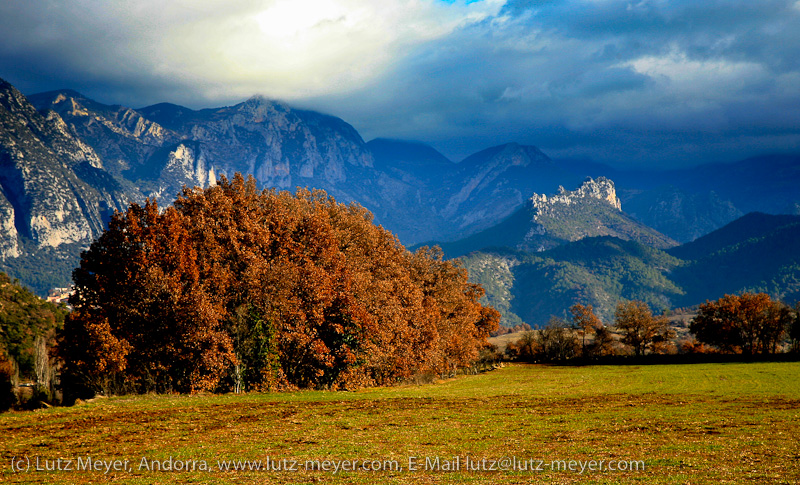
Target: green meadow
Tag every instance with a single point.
(701, 423)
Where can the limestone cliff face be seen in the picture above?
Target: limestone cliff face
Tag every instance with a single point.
(190, 163)
(280, 146)
(67, 162)
(160, 148)
(125, 141)
(593, 209)
(548, 221)
(186, 164)
(155, 151)
(54, 188)
(9, 238)
(601, 189)
(120, 136)
(25, 129)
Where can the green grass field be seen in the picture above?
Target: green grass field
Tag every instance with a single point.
(703, 423)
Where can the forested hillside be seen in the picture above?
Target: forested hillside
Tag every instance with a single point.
(601, 271)
(28, 327)
(757, 253)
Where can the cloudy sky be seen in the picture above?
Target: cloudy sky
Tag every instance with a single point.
(629, 82)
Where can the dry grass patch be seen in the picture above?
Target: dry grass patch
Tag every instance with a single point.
(714, 423)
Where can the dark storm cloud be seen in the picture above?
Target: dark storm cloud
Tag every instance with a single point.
(626, 82)
(658, 83)
(122, 52)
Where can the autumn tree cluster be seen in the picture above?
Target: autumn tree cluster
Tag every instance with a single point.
(750, 323)
(583, 336)
(235, 288)
(642, 331)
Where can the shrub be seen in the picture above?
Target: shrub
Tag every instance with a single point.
(557, 341)
(526, 348)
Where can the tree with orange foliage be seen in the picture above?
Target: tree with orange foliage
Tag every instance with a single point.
(584, 318)
(236, 288)
(143, 320)
(642, 330)
(460, 322)
(749, 323)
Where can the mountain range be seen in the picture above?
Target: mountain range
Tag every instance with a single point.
(545, 222)
(67, 162)
(757, 252)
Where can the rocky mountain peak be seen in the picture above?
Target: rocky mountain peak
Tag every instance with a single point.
(259, 100)
(523, 154)
(591, 210)
(65, 103)
(11, 99)
(258, 109)
(24, 129)
(502, 176)
(53, 189)
(601, 189)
